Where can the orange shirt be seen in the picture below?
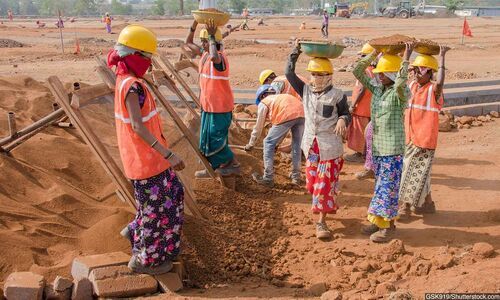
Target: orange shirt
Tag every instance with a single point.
(363, 106)
(216, 95)
(283, 108)
(140, 160)
(422, 116)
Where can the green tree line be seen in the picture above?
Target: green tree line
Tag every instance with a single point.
(174, 7)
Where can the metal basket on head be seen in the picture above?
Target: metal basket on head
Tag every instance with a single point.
(321, 49)
(203, 16)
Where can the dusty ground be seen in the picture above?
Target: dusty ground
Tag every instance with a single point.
(54, 205)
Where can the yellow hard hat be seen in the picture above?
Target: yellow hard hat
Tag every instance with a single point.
(367, 49)
(427, 61)
(138, 37)
(264, 74)
(320, 64)
(388, 63)
(204, 35)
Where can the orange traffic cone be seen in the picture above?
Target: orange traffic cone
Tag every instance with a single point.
(77, 46)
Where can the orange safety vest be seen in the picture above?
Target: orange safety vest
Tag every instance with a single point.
(283, 108)
(216, 95)
(287, 87)
(422, 116)
(363, 107)
(140, 160)
(107, 20)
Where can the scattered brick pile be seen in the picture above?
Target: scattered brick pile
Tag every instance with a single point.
(101, 275)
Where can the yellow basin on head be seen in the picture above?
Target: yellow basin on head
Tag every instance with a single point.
(202, 17)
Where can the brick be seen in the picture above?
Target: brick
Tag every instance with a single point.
(51, 294)
(178, 267)
(82, 266)
(82, 289)
(61, 284)
(169, 282)
(120, 281)
(24, 285)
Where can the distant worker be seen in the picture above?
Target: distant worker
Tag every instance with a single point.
(286, 113)
(360, 110)
(327, 115)
(40, 24)
(60, 23)
(324, 25)
(155, 233)
(422, 127)
(10, 15)
(217, 101)
(302, 26)
(261, 22)
(244, 25)
(107, 21)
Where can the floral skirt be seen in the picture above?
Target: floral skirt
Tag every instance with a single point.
(416, 179)
(155, 233)
(322, 180)
(384, 204)
(368, 154)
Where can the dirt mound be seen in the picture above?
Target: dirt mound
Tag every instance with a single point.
(171, 43)
(461, 75)
(7, 43)
(234, 44)
(96, 42)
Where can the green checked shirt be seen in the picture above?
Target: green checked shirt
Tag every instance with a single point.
(387, 109)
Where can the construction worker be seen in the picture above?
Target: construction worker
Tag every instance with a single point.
(107, 21)
(421, 127)
(286, 113)
(10, 15)
(280, 83)
(326, 114)
(387, 106)
(217, 102)
(324, 25)
(197, 50)
(147, 161)
(360, 110)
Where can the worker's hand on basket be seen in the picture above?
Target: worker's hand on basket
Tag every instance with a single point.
(409, 49)
(211, 27)
(248, 147)
(340, 128)
(176, 163)
(296, 44)
(443, 49)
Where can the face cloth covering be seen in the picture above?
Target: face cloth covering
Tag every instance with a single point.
(126, 59)
(321, 82)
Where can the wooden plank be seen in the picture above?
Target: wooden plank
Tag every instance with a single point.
(161, 59)
(92, 141)
(170, 84)
(106, 76)
(42, 123)
(82, 96)
(185, 131)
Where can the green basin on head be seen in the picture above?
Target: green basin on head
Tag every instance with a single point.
(321, 49)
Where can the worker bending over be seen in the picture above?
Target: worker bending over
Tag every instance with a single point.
(421, 127)
(217, 102)
(285, 113)
(326, 114)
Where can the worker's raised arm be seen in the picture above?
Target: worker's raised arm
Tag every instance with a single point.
(360, 71)
(441, 72)
(195, 49)
(214, 53)
(401, 83)
(262, 111)
(291, 76)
